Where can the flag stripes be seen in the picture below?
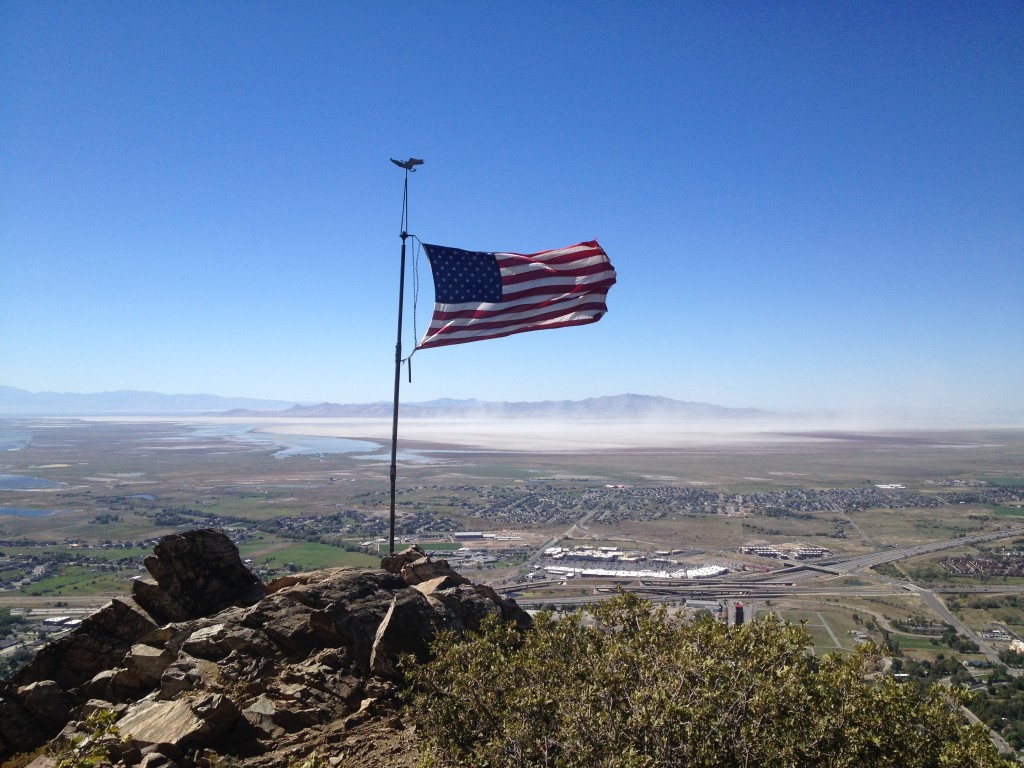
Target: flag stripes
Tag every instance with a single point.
(550, 289)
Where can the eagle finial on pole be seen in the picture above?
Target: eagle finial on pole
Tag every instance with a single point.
(409, 165)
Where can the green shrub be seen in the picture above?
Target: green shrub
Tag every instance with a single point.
(637, 687)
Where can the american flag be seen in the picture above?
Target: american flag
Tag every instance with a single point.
(479, 295)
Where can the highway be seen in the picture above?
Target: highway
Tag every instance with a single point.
(848, 565)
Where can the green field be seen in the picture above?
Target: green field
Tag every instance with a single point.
(440, 546)
(72, 580)
(919, 643)
(306, 556)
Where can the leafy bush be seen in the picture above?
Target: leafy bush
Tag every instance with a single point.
(636, 687)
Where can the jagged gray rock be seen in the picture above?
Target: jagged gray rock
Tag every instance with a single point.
(393, 562)
(267, 715)
(198, 574)
(406, 628)
(267, 673)
(19, 731)
(146, 664)
(102, 637)
(46, 701)
(180, 723)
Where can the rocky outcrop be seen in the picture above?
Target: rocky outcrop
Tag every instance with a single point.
(196, 575)
(205, 664)
(465, 604)
(76, 657)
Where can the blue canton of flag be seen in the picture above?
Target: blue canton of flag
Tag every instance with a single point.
(464, 275)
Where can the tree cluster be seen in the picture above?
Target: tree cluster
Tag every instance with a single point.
(8, 622)
(1001, 707)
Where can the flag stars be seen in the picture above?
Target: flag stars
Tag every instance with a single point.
(464, 276)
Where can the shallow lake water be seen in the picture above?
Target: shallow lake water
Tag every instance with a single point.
(27, 483)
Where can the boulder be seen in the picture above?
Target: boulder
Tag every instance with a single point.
(264, 714)
(158, 601)
(186, 673)
(20, 731)
(99, 642)
(418, 571)
(341, 608)
(466, 605)
(47, 703)
(102, 685)
(430, 586)
(146, 664)
(407, 628)
(143, 668)
(182, 723)
(199, 573)
(216, 641)
(395, 561)
(509, 609)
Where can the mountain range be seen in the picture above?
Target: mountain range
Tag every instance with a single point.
(20, 401)
(617, 407)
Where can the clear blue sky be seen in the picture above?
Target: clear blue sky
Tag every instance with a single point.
(808, 204)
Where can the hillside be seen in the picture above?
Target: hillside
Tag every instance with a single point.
(206, 665)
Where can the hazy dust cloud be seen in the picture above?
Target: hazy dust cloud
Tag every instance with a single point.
(530, 435)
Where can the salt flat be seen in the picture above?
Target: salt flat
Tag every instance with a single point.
(577, 435)
(515, 435)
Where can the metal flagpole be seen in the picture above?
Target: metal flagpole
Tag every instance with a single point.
(408, 165)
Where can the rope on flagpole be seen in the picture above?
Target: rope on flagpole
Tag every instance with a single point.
(417, 250)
